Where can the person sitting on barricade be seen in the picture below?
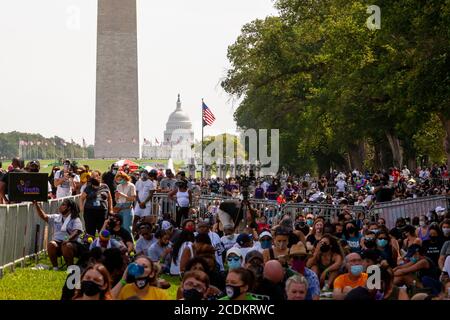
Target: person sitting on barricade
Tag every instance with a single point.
(67, 227)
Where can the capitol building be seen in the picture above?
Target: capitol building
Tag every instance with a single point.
(178, 139)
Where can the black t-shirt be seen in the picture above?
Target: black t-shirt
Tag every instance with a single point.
(384, 194)
(311, 239)
(273, 291)
(432, 250)
(121, 235)
(214, 186)
(97, 199)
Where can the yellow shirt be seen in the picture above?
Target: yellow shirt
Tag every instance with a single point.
(344, 281)
(153, 293)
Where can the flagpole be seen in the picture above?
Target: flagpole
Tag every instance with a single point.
(202, 142)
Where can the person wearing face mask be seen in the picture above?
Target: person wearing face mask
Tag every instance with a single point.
(297, 266)
(110, 179)
(423, 231)
(419, 268)
(433, 246)
(145, 188)
(387, 251)
(65, 181)
(139, 283)
(234, 258)
(445, 251)
(95, 284)
(229, 239)
(279, 248)
(67, 227)
(445, 227)
(146, 238)
(355, 277)
(95, 203)
(326, 260)
(125, 196)
(238, 284)
(353, 237)
(194, 285)
(265, 240)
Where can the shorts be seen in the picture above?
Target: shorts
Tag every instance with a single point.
(138, 211)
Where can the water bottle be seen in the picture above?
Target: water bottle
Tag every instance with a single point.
(135, 270)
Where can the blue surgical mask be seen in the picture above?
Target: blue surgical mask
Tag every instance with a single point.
(266, 244)
(413, 259)
(234, 264)
(356, 270)
(310, 222)
(382, 243)
(375, 231)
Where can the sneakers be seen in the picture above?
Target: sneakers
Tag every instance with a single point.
(41, 267)
(55, 269)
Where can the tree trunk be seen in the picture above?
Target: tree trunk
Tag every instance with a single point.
(446, 142)
(356, 154)
(396, 148)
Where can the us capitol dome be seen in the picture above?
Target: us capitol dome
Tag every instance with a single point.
(178, 138)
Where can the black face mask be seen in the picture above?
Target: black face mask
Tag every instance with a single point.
(141, 282)
(325, 248)
(90, 288)
(370, 243)
(434, 238)
(192, 295)
(352, 230)
(233, 291)
(94, 182)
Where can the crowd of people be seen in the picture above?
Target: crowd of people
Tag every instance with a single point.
(124, 249)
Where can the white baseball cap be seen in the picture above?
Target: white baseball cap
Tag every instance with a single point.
(265, 234)
(234, 250)
(166, 225)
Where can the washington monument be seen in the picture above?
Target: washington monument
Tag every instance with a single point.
(117, 105)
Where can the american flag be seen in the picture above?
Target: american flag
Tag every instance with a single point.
(208, 117)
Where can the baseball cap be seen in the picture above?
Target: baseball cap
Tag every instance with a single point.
(243, 238)
(105, 235)
(166, 225)
(254, 254)
(265, 234)
(234, 250)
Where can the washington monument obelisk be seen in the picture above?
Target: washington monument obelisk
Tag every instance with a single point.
(117, 104)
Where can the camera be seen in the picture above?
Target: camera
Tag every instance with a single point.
(245, 183)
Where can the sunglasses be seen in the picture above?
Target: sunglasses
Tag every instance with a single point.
(229, 259)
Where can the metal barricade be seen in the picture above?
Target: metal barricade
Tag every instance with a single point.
(409, 208)
(328, 211)
(23, 234)
(162, 206)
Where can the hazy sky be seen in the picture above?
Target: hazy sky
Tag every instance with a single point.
(47, 63)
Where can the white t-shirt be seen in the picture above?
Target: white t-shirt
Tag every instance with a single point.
(340, 186)
(65, 189)
(227, 242)
(142, 245)
(175, 268)
(265, 185)
(143, 188)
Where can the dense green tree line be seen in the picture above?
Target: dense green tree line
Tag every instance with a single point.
(39, 147)
(344, 95)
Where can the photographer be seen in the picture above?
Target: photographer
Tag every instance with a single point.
(65, 181)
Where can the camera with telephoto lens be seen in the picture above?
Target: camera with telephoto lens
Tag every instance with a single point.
(245, 183)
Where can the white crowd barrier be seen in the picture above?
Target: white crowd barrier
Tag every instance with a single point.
(23, 234)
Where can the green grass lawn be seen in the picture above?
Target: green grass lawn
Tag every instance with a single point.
(28, 284)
